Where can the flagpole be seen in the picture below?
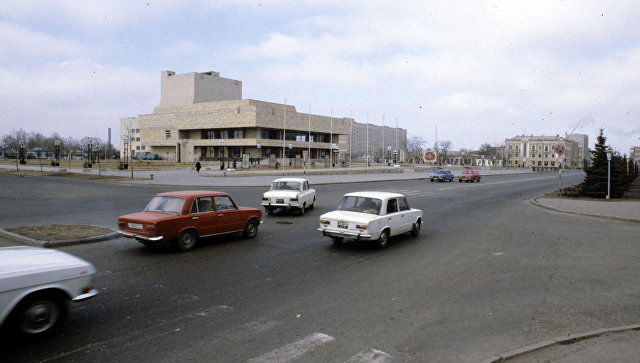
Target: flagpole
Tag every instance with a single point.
(284, 131)
(331, 141)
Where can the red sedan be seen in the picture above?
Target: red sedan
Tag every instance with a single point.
(184, 216)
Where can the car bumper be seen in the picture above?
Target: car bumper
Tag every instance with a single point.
(345, 234)
(295, 204)
(140, 237)
(86, 296)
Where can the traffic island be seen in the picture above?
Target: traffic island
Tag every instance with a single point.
(55, 235)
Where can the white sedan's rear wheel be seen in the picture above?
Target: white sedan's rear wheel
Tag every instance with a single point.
(383, 240)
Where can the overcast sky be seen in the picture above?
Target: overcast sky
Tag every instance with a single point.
(482, 71)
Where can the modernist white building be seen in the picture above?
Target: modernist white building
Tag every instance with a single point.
(202, 116)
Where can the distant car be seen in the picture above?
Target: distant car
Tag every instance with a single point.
(184, 216)
(289, 193)
(442, 175)
(469, 176)
(36, 285)
(371, 216)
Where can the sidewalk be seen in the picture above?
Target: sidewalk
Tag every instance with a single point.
(626, 210)
(263, 177)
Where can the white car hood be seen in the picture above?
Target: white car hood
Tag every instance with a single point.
(356, 217)
(34, 265)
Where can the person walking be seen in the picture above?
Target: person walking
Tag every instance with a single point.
(198, 166)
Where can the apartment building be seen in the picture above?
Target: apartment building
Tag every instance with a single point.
(540, 153)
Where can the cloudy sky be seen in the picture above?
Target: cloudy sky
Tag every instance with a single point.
(478, 71)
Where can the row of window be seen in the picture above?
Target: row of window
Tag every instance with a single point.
(546, 156)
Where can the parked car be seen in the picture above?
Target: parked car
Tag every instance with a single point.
(469, 176)
(289, 193)
(371, 216)
(184, 216)
(36, 285)
(442, 175)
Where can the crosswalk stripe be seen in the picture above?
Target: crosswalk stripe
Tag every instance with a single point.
(294, 350)
(370, 356)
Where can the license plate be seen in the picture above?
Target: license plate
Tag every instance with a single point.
(343, 224)
(135, 225)
(280, 201)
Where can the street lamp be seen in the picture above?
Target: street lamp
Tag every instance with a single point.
(57, 144)
(609, 153)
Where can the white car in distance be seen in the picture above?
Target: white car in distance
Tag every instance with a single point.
(289, 193)
(371, 216)
(36, 285)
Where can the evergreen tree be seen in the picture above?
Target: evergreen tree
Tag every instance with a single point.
(595, 181)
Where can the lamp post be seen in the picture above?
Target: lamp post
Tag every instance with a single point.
(38, 157)
(22, 153)
(609, 153)
(57, 145)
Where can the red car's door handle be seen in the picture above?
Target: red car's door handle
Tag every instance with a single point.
(195, 218)
(220, 215)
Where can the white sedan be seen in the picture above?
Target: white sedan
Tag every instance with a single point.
(289, 193)
(36, 285)
(371, 216)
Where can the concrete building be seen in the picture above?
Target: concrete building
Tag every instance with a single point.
(202, 116)
(583, 156)
(539, 153)
(381, 143)
(634, 154)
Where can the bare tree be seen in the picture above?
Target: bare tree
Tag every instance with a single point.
(415, 147)
(443, 149)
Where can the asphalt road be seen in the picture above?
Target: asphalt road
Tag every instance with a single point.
(488, 273)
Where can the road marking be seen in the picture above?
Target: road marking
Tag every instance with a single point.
(294, 350)
(370, 356)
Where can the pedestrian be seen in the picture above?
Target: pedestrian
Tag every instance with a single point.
(198, 166)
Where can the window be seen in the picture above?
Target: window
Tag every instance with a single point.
(403, 204)
(202, 205)
(137, 147)
(270, 134)
(392, 206)
(143, 147)
(546, 148)
(167, 134)
(137, 139)
(223, 202)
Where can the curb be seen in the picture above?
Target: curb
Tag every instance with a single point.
(57, 243)
(570, 339)
(535, 202)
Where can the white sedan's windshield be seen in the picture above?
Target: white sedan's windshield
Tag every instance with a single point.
(172, 205)
(285, 185)
(360, 204)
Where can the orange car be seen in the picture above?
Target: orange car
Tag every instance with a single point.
(185, 216)
(469, 176)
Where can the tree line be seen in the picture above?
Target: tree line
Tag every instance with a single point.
(69, 147)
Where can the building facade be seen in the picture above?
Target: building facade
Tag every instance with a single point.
(539, 153)
(379, 143)
(202, 116)
(583, 156)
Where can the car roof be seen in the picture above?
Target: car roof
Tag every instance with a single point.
(301, 180)
(376, 195)
(190, 193)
